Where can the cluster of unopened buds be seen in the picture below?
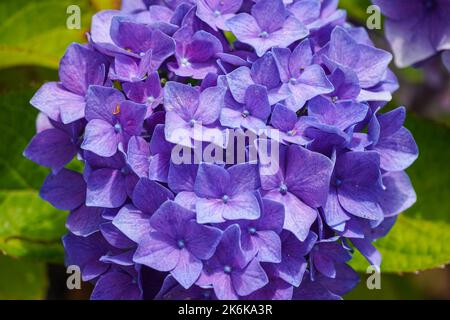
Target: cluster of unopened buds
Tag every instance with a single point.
(151, 217)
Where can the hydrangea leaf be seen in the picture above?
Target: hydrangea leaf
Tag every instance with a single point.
(419, 240)
(29, 227)
(356, 10)
(412, 245)
(22, 279)
(36, 33)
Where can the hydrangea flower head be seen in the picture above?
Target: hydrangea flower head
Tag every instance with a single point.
(231, 150)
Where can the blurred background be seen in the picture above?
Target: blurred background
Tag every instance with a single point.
(33, 37)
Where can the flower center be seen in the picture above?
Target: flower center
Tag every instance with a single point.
(150, 100)
(291, 133)
(252, 230)
(118, 127)
(264, 34)
(283, 189)
(335, 99)
(192, 123)
(181, 244)
(225, 199)
(185, 62)
(227, 269)
(338, 182)
(217, 13)
(292, 81)
(245, 114)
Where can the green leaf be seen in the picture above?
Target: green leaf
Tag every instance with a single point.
(35, 32)
(420, 238)
(29, 227)
(356, 10)
(22, 279)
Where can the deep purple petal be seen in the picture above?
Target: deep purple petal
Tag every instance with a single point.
(65, 190)
(84, 221)
(149, 195)
(106, 188)
(116, 286)
(51, 148)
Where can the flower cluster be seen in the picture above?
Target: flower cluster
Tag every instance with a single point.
(163, 76)
(417, 30)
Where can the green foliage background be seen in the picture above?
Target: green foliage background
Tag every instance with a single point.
(33, 37)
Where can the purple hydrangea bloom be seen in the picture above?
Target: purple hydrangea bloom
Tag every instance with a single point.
(301, 78)
(354, 187)
(177, 243)
(367, 63)
(227, 194)
(252, 114)
(263, 72)
(293, 263)
(196, 53)
(388, 133)
(410, 43)
(150, 160)
(330, 125)
(65, 101)
(269, 25)
(117, 285)
(56, 146)
(138, 40)
(290, 129)
(109, 181)
(147, 92)
(261, 238)
(301, 184)
(187, 108)
(112, 121)
(169, 114)
(229, 272)
(216, 13)
(133, 220)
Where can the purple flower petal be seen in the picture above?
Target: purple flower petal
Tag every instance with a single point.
(308, 175)
(149, 195)
(101, 138)
(249, 279)
(51, 148)
(84, 221)
(81, 67)
(187, 270)
(102, 102)
(106, 188)
(65, 190)
(116, 286)
(51, 96)
(156, 252)
(133, 223)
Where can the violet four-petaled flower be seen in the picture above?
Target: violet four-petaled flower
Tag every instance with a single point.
(178, 244)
